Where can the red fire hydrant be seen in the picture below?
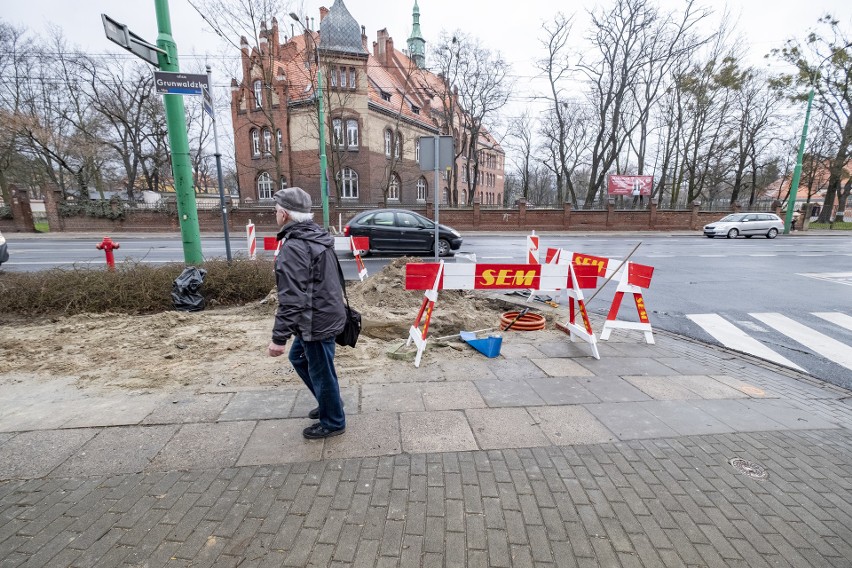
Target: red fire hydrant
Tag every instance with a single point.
(108, 246)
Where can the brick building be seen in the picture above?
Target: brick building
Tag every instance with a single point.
(377, 104)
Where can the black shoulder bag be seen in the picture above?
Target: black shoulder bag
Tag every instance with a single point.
(352, 328)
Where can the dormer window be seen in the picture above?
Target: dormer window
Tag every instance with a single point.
(386, 96)
(415, 109)
(258, 94)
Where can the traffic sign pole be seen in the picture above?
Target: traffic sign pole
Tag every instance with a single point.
(178, 142)
(208, 107)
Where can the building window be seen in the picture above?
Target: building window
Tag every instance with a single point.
(255, 142)
(333, 78)
(267, 141)
(343, 77)
(397, 146)
(348, 183)
(422, 189)
(463, 196)
(352, 83)
(337, 132)
(283, 182)
(388, 142)
(279, 139)
(386, 96)
(393, 187)
(417, 150)
(258, 94)
(352, 133)
(264, 186)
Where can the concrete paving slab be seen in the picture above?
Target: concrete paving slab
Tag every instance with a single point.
(501, 428)
(562, 390)
(513, 369)
(184, 408)
(788, 414)
(514, 350)
(45, 416)
(613, 389)
(305, 401)
(435, 431)
(562, 368)
(508, 393)
(563, 349)
(662, 388)
(5, 436)
(465, 370)
(640, 349)
(745, 387)
(403, 397)
(115, 410)
(568, 425)
(35, 454)
(629, 421)
(626, 366)
(117, 450)
(259, 405)
(203, 446)
(708, 387)
(451, 396)
(367, 435)
(736, 415)
(685, 418)
(684, 366)
(280, 441)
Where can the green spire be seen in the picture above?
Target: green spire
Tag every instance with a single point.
(416, 43)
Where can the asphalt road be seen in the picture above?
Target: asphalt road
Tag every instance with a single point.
(737, 280)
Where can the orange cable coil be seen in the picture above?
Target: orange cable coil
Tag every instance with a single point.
(527, 322)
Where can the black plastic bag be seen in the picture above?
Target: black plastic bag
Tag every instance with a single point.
(4, 253)
(186, 290)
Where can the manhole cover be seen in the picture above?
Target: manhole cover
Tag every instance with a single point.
(751, 469)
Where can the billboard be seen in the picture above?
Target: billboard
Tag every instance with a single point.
(623, 185)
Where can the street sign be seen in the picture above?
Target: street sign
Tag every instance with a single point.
(446, 153)
(118, 33)
(207, 101)
(176, 83)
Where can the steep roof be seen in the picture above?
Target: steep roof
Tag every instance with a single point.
(339, 32)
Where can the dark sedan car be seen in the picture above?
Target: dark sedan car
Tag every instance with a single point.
(399, 230)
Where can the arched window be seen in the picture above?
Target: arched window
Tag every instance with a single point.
(463, 199)
(397, 146)
(280, 140)
(446, 195)
(422, 189)
(258, 94)
(267, 141)
(283, 182)
(388, 143)
(264, 186)
(348, 183)
(255, 142)
(337, 132)
(393, 187)
(352, 133)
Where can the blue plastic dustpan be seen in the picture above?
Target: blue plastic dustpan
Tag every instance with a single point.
(488, 346)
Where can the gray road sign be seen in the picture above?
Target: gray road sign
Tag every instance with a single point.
(446, 153)
(176, 83)
(118, 33)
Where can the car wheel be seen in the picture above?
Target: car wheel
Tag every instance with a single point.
(443, 247)
(732, 234)
(709, 236)
(749, 236)
(772, 233)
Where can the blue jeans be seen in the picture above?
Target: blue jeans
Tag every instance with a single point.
(314, 363)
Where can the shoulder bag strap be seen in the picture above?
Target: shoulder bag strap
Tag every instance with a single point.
(342, 279)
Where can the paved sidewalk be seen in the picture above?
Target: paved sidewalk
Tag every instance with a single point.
(543, 456)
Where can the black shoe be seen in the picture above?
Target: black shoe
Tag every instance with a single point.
(318, 431)
(314, 414)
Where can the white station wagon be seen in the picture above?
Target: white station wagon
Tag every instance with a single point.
(745, 224)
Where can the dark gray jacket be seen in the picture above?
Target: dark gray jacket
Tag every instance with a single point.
(310, 297)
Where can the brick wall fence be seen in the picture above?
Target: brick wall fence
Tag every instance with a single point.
(473, 218)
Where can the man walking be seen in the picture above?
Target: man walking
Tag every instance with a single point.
(310, 307)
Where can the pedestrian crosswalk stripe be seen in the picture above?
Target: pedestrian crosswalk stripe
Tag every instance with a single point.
(822, 344)
(836, 318)
(732, 337)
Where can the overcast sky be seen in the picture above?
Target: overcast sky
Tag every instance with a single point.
(761, 24)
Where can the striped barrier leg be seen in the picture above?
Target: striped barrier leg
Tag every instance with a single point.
(634, 278)
(426, 308)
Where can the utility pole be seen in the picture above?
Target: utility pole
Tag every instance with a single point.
(178, 142)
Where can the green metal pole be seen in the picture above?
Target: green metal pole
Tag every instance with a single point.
(178, 142)
(323, 178)
(797, 171)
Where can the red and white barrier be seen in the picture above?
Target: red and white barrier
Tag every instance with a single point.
(426, 308)
(634, 278)
(358, 245)
(532, 248)
(252, 240)
(580, 276)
